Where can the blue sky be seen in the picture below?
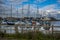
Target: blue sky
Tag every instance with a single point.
(43, 5)
(39, 3)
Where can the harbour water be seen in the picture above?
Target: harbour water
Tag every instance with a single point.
(11, 29)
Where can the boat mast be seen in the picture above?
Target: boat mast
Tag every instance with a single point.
(11, 10)
(37, 9)
(17, 12)
(28, 10)
(4, 13)
(22, 12)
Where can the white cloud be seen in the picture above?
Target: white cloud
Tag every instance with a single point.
(58, 1)
(16, 2)
(40, 1)
(1, 2)
(32, 10)
(52, 9)
(49, 7)
(26, 8)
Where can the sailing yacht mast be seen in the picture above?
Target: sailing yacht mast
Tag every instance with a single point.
(22, 12)
(37, 9)
(11, 10)
(28, 10)
(17, 12)
(4, 13)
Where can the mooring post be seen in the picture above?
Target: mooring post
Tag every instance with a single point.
(52, 33)
(16, 29)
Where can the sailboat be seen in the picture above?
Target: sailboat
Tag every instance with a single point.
(10, 22)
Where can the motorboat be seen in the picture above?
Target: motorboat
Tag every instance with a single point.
(10, 23)
(37, 23)
(4, 22)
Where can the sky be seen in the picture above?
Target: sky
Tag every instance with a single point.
(39, 3)
(29, 7)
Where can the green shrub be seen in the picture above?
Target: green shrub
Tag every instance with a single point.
(32, 36)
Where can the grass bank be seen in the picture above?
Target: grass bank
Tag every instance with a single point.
(32, 36)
